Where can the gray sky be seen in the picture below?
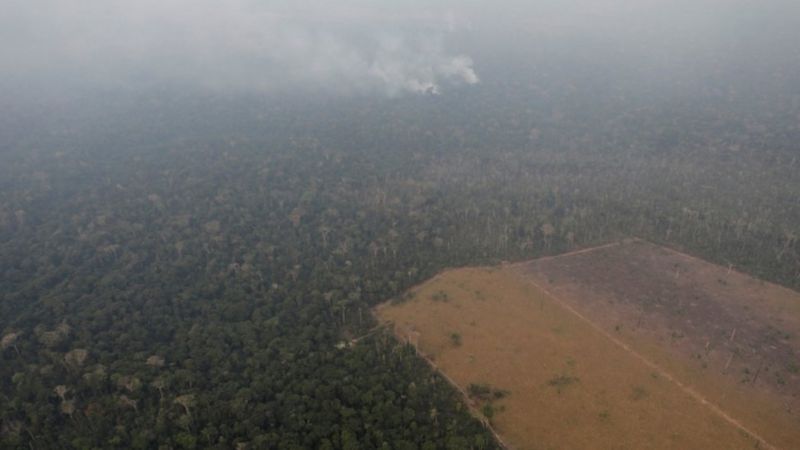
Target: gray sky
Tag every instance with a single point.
(384, 47)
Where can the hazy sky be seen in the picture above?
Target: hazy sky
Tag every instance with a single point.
(384, 47)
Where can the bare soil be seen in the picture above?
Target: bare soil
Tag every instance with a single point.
(629, 345)
(733, 337)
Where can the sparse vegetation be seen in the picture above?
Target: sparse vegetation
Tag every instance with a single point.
(440, 296)
(638, 393)
(455, 339)
(486, 397)
(561, 382)
(479, 391)
(482, 392)
(488, 410)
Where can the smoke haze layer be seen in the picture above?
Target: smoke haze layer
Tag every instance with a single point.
(239, 45)
(390, 48)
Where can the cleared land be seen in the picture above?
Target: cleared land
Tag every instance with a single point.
(623, 346)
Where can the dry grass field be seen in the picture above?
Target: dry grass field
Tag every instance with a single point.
(626, 346)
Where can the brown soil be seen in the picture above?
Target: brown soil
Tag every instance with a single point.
(622, 346)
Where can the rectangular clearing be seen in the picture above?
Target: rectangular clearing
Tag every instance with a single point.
(562, 353)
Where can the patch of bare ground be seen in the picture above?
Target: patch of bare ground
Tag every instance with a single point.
(623, 346)
(732, 337)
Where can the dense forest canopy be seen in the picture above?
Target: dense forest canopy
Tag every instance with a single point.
(184, 267)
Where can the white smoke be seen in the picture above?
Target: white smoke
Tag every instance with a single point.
(239, 44)
(419, 68)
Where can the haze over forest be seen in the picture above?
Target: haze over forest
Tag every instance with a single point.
(201, 202)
